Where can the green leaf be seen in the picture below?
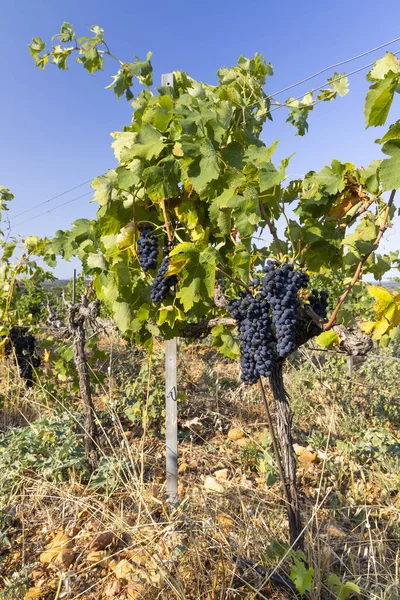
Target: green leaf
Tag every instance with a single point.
(342, 590)
(97, 262)
(197, 277)
(339, 87)
(327, 339)
(162, 181)
(36, 46)
(390, 167)
(148, 144)
(302, 577)
(225, 342)
(269, 176)
(67, 32)
(379, 100)
(122, 314)
(205, 169)
(370, 177)
(104, 187)
(384, 65)
(331, 179)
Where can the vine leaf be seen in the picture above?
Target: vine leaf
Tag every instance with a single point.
(206, 168)
(379, 100)
(224, 341)
(390, 167)
(328, 339)
(122, 314)
(343, 590)
(162, 181)
(388, 63)
(302, 577)
(387, 312)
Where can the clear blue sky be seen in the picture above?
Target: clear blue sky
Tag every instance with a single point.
(55, 125)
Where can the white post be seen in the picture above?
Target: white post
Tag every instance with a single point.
(350, 365)
(171, 395)
(74, 288)
(171, 422)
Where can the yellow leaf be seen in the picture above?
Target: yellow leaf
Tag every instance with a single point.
(382, 296)
(177, 150)
(367, 327)
(3, 346)
(125, 238)
(31, 242)
(387, 312)
(176, 266)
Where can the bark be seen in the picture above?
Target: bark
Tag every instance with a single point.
(203, 328)
(76, 321)
(284, 418)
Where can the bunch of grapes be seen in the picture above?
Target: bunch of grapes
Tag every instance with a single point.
(269, 317)
(281, 285)
(147, 248)
(161, 284)
(319, 302)
(256, 338)
(23, 346)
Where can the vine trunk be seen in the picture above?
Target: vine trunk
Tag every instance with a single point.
(80, 359)
(284, 418)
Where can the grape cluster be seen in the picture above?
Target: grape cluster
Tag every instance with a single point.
(267, 318)
(256, 337)
(319, 302)
(281, 285)
(147, 248)
(162, 284)
(23, 346)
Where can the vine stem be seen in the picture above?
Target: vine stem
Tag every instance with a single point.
(231, 278)
(167, 224)
(272, 229)
(362, 209)
(362, 262)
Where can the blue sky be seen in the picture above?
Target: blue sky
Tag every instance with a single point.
(55, 125)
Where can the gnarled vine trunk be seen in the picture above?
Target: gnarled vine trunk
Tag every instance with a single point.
(284, 418)
(77, 329)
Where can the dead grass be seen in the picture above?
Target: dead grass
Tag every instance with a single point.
(198, 550)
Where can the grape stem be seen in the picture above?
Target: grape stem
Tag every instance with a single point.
(167, 224)
(362, 262)
(272, 229)
(232, 278)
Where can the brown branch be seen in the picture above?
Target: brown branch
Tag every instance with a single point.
(232, 278)
(362, 262)
(167, 224)
(197, 330)
(362, 210)
(272, 229)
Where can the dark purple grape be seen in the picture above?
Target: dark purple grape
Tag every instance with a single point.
(162, 284)
(147, 248)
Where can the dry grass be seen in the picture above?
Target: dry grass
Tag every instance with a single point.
(194, 551)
